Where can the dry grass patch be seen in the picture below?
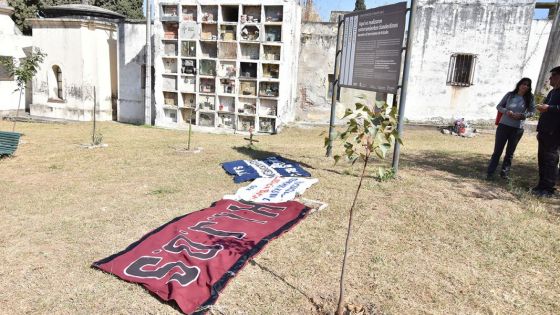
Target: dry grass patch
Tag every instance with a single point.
(443, 241)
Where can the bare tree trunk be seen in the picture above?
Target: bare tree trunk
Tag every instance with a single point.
(190, 124)
(17, 111)
(94, 118)
(340, 308)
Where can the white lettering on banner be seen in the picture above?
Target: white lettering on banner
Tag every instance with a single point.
(262, 168)
(184, 276)
(278, 189)
(182, 273)
(265, 189)
(239, 170)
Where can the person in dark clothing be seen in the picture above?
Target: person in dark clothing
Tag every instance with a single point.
(548, 135)
(515, 106)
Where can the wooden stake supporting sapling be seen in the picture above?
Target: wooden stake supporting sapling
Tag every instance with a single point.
(250, 139)
(96, 136)
(188, 149)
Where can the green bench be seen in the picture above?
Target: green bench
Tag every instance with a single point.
(8, 142)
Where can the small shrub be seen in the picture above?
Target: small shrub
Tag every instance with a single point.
(97, 138)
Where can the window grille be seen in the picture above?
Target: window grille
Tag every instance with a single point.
(58, 75)
(461, 69)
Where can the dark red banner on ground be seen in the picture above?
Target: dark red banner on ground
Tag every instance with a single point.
(191, 258)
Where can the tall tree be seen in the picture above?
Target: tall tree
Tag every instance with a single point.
(310, 13)
(25, 9)
(360, 5)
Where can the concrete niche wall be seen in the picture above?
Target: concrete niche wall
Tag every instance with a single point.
(315, 75)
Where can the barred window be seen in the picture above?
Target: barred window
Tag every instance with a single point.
(58, 75)
(461, 69)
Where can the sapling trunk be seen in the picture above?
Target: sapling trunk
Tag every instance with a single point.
(94, 118)
(340, 308)
(17, 111)
(190, 124)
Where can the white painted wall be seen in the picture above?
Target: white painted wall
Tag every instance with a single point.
(12, 45)
(291, 32)
(538, 38)
(498, 32)
(316, 62)
(132, 40)
(85, 51)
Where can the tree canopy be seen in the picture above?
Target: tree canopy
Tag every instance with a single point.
(25, 9)
(360, 5)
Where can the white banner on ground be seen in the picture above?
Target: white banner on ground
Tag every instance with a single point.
(277, 189)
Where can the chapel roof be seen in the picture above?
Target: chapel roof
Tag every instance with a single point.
(80, 10)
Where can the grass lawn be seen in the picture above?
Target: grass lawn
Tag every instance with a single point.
(438, 240)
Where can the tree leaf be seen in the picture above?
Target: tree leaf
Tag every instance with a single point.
(347, 113)
(336, 158)
(384, 147)
(368, 111)
(367, 124)
(381, 172)
(378, 152)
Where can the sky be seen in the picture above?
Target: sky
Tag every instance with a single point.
(326, 6)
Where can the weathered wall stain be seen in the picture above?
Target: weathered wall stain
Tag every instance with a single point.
(496, 31)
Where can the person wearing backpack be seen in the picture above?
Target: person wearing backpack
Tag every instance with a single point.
(548, 135)
(515, 107)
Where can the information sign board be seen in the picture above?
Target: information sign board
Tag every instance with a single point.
(372, 48)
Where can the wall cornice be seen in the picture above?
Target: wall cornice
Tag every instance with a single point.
(6, 10)
(71, 23)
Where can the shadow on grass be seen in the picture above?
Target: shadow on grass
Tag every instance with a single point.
(524, 175)
(254, 153)
(282, 279)
(257, 154)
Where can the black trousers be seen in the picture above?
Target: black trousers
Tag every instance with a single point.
(511, 136)
(548, 161)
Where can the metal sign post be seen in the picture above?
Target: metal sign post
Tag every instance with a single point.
(148, 55)
(335, 87)
(406, 71)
